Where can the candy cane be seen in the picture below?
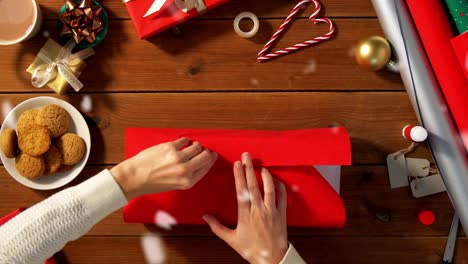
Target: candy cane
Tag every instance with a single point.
(262, 56)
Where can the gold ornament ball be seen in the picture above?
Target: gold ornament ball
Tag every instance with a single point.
(373, 53)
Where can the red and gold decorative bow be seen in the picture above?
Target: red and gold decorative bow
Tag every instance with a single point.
(81, 21)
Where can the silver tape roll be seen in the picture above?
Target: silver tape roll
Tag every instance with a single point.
(247, 15)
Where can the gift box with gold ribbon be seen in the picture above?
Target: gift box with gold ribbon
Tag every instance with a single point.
(151, 17)
(57, 67)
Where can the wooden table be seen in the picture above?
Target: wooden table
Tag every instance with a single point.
(207, 77)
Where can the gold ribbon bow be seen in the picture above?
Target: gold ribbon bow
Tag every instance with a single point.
(46, 72)
(184, 5)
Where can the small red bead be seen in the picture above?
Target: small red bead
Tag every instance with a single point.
(426, 217)
(462, 14)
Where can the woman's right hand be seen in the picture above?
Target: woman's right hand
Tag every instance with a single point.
(165, 167)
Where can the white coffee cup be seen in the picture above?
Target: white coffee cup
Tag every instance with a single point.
(25, 15)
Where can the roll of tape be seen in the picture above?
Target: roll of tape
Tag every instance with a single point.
(248, 15)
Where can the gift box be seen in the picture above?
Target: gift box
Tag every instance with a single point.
(9, 216)
(288, 155)
(58, 68)
(151, 17)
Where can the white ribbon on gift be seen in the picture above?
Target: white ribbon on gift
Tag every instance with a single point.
(46, 72)
(184, 5)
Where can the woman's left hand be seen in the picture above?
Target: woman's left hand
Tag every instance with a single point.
(261, 233)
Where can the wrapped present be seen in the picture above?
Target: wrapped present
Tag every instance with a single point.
(57, 67)
(458, 10)
(151, 17)
(289, 156)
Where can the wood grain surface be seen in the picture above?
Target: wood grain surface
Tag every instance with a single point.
(262, 8)
(209, 56)
(373, 119)
(205, 76)
(320, 249)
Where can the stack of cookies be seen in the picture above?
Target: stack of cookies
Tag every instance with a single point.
(42, 145)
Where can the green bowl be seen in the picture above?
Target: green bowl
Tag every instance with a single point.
(99, 36)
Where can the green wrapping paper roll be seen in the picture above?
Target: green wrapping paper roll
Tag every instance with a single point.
(459, 12)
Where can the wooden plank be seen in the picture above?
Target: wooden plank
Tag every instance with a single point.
(313, 250)
(262, 8)
(365, 191)
(209, 56)
(374, 120)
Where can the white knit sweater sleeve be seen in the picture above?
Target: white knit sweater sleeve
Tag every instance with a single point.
(44, 229)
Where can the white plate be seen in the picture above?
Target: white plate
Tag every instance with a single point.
(77, 125)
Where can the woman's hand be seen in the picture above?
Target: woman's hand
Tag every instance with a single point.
(164, 167)
(261, 233)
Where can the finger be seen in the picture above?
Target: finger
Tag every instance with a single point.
(181, 142)
(202, 159)
(243, 196)
(192, 150)
(282, 197)
(252, 184)
(269, 190)
(218, 229)
(198, 174)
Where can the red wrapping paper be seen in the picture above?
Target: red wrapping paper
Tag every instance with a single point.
(9, 216)
(169, 16)
(289, 155)
(460, 46)
(435, 32)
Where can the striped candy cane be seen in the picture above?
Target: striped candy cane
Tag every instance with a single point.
(263, 56)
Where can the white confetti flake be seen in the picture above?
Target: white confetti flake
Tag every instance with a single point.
(6, 108)
(164, 220)
(45, 34)
(244, 196)
(295, 188)
(464, 135)
(352, 51)
(264, 253)
(466, 62)
(254, 82)
(153, 250)
(444, 109)
(87, 104)
(310, 67)
(335, 129)
(247, 254)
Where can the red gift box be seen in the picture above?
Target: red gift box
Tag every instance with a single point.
(289, 155)
(9, 216)
(151, 17)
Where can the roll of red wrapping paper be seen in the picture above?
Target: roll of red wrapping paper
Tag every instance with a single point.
(289, 155)
(435, 32)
